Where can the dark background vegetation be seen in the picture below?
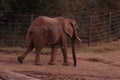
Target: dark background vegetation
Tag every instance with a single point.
(16, 15)
(69, 8)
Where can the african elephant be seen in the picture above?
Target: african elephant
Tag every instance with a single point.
(45, 31)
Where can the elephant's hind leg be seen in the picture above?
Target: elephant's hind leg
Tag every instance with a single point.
(37, 57)
(53, 55)
(22, 57)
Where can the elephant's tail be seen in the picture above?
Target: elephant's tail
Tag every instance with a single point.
(29, 38)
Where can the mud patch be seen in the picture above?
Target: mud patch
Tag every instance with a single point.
(112, 63)
(91, 59)
(90, 67)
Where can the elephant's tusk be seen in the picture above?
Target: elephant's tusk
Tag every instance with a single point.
(78, 38)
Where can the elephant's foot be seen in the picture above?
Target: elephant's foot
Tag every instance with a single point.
(20, 59)
(51, 63)
(66, 64)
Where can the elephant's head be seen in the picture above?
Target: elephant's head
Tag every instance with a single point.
(70, 28)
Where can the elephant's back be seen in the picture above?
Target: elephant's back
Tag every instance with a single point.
(44, 28)
(37, 22)
(45, 21)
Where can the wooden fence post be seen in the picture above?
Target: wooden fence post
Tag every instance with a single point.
(109, 27)
(119, 27)
(90, 32)
(119, 32)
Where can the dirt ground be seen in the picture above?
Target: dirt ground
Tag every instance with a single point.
(90, 66)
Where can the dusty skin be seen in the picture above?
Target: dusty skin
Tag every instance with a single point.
(104, 66)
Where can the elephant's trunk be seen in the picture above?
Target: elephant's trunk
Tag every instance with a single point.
(73, 51)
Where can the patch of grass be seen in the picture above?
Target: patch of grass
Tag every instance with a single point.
(11, 49)
(46, 50)
(101, 48)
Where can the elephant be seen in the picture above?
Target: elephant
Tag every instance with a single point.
(45, 31)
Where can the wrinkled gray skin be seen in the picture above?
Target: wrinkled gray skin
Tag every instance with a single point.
(45, 31)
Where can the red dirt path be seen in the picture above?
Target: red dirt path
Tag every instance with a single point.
(104, 66)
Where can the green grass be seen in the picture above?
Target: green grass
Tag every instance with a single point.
(12, 49)
(100, 48)
(19, 49)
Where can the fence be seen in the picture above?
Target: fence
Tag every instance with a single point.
(13, 29)
(104, 28)
(95, 29)
(92, 29)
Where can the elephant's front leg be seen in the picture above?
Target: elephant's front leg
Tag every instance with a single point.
(64, 51)
(65, 56)
(53, 55)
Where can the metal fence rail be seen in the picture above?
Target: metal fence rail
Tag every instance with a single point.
(13, 29)
(92, 29)
(100, 28)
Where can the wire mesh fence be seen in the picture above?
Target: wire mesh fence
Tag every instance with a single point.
(104, 28)
(92, 29)
(13, 29)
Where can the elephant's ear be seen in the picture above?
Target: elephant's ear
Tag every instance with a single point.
(68, 27)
